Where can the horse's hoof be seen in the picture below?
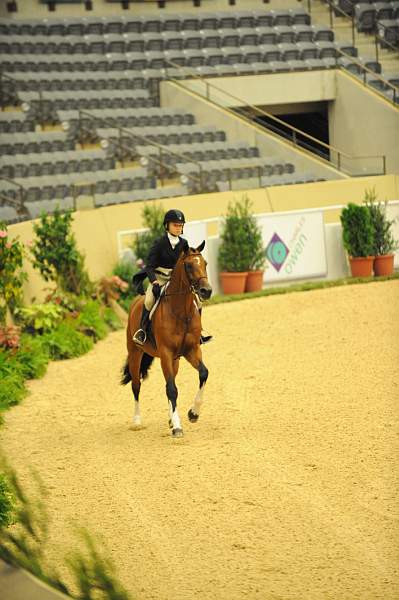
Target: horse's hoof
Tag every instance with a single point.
(136, 426)
(192, 417)
(177, 433)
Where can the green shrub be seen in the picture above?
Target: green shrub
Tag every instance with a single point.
(125, 269)
(111, 319)
(40, 318)
(357, 230)
(6, 503)
(66, 342)
(32, 357)
(56, 255)
(12, 389)
(241, 247)
(91, 322)
(153, 216)
(11, 275)
(384, 241)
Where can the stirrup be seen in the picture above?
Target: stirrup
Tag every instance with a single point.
(140, 337)
(204, 339)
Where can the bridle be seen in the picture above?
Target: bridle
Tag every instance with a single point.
(194, 285)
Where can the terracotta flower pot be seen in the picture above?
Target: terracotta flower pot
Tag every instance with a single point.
(254, 281)
(383, 265)
(233, 283)
(361, 266)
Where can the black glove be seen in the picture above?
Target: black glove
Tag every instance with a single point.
(156, 289)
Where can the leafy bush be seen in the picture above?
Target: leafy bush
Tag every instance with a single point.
(111, 319)
(153, 216)
(12, 388)
(32, 357)
(66, 342)
(357, 230)
(125, 269)
(91, 322)
(384, 242)
(40, 318)
(55, 253)
(11, 275)
(241, 247)
(6, 502)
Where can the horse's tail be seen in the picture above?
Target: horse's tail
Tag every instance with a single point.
(145, 365)
(126, 377)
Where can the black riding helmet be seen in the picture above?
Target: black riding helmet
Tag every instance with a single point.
(173, 216)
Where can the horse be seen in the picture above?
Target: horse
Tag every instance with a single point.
(175, 332)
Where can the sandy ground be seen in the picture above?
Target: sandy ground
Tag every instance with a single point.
(286, 488)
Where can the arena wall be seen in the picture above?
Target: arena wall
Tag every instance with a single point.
(96, 230)
(362, 123)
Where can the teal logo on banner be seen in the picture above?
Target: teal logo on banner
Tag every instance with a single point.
(276, 252)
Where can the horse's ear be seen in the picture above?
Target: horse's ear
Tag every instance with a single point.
(201, 247)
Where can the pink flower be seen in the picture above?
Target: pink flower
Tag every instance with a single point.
(3, 233)
(29, 243)
(9, 245)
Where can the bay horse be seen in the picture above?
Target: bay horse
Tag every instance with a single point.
(176, 331)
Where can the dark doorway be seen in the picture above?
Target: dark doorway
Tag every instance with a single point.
(315, 124)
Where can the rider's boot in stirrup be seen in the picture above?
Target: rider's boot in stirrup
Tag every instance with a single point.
(141, 336)
(204, 339)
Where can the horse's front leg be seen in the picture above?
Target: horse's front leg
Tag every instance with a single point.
(134, 362)
(170, 368)
(194, 357)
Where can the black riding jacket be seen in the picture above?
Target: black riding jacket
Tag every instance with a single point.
(163, 255)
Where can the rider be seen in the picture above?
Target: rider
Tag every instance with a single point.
(162, 257)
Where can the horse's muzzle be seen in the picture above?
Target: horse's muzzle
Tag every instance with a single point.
(205, 293)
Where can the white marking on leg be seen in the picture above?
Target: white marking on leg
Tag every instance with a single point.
(174, 417)
(198, 400)
(137, 416)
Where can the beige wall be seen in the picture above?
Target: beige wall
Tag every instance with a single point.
(361, 123)
(258, 90)
(178, 96)
(96, 230)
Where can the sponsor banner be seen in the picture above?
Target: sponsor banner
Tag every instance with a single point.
(195, 233)
(294, 245)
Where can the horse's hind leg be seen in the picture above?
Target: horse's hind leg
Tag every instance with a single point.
(195, 359)
(134, 368)
(170, 368)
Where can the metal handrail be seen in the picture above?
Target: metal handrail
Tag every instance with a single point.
(19, 204)
(161, 148)
(295, 131)
(38, 92)
(333, 9)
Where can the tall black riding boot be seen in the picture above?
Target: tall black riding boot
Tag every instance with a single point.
(204, 339)
(140, 336)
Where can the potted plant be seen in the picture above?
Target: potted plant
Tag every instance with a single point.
(236, 248)
(358, 239)
(384, 242)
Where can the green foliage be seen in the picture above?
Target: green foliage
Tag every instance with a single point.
(6, 503)
(25, 544)
(111, 319)
(32, 357)
(241, 246)
(125, 269)
(153, 216)
(384, 242)
(55, 253)
(12, 388)
(11, 275)
(40, 318)
(66, 342)
(357, 230)
(91, 322)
